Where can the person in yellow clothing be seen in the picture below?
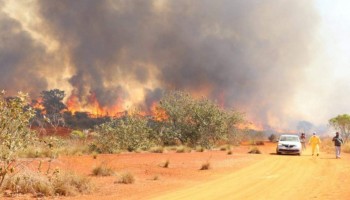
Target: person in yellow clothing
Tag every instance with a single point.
(315, 141)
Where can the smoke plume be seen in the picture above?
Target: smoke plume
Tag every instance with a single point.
(244, 54)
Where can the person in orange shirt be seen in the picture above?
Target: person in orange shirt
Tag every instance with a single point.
(315, 141)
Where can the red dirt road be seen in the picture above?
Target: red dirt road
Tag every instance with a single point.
(277, 177)
(239, 176)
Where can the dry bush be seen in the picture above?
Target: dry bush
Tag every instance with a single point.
(165, 164)
(205, 166)
(229, 152)
(223, 148)
(65, 147)
(73, 147)
(27, 181)
(155, 177)
(254, 150)
(199, 149)
(183, 149)
(70, 184)
(157, 149)
(346, 148)
(38, 184)
(94, 155)
(103, 170)
(172, 148)
(38, 152)
(125, 178)
(327, 145)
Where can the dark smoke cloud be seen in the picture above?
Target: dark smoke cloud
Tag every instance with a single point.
(251, 53)
(20, 58)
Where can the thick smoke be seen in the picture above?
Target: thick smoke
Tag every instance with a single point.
(20, 58)
(246, 54)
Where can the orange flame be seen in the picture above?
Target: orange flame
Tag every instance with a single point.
(38, 104)
(158, 113)
(93, 106)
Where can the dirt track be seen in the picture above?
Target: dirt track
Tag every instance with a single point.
(277, 177)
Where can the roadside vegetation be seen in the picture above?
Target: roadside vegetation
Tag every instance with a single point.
(179, 123)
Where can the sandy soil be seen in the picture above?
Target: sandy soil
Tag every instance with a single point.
(237, 176)
(277, 177)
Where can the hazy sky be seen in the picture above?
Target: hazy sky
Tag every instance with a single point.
(280, 61)
(327, 85)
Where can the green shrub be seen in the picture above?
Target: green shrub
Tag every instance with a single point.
(76, 134)
(15, 134)
(128, 133)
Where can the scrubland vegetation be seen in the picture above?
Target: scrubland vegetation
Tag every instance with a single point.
(180, 123)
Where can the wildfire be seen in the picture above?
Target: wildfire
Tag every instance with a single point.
(158, 113)
(250, 125)
(93, 107)
(37, 104)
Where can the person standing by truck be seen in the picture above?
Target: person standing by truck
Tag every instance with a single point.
(315, 141)
(338, 141)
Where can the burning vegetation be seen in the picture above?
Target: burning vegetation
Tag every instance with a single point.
(176, 117)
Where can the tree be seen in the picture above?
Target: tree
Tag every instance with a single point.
(177, 106)
(196, 121)
(211, 123)
(341, 123)
(15, 133)
(53, 106)
(128, 133)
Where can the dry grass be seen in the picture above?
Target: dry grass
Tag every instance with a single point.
(28, 181)
(183, 149)
(205, 166)
(58, 183)
(157, 149)
(165, 164)
(125, 178)
(327, 145)
(94, 155)
(199, 149)
(70, 184)
(224, 148)
(254, 150)
(103, 170)
(346, 148)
